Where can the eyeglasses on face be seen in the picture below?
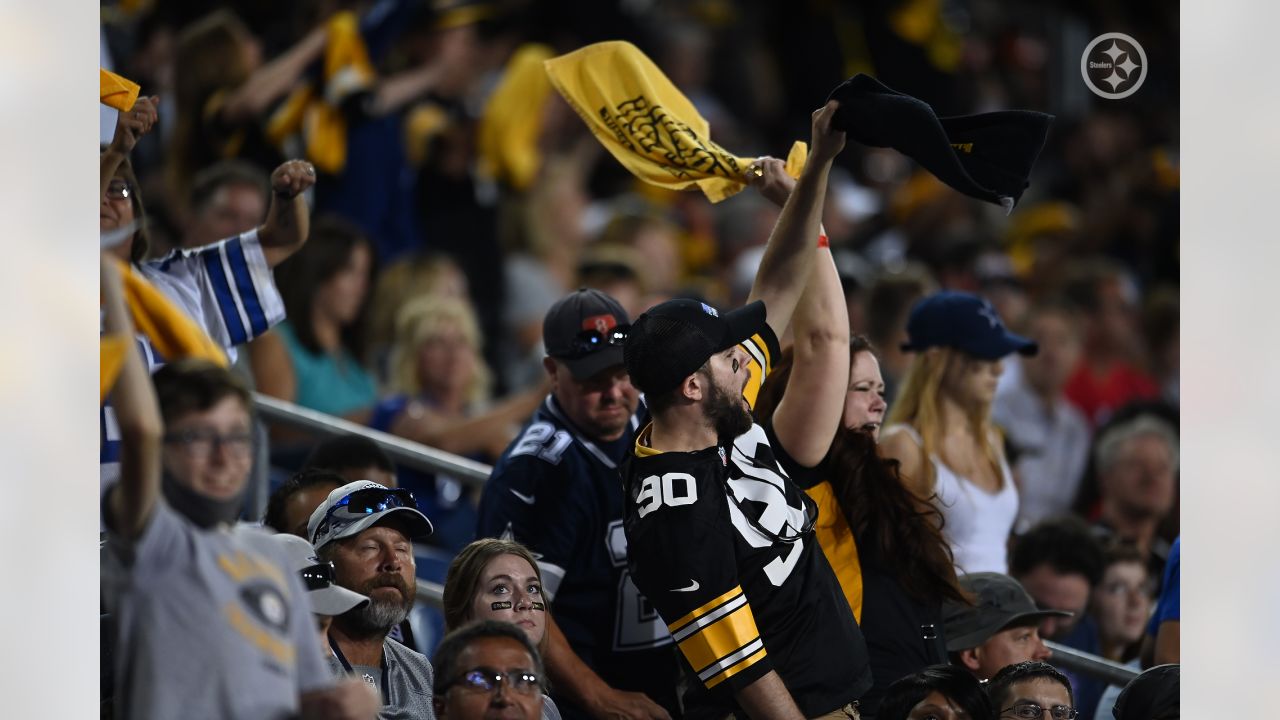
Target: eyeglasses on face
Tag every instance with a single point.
(201, 443)
(1032, 711)
(483, 679)
(119, 190)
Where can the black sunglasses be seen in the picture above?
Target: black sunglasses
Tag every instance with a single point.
(364, 502)
(589, 341)
(317, 577)
(374, 500)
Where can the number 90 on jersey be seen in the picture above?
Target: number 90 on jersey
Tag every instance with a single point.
(671, 489)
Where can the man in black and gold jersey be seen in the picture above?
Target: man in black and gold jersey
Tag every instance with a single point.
(720, 540)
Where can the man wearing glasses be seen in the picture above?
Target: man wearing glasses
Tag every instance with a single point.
(488, 669)
(1032, 691)
(209, 622)
(367, 531)
(556, 490)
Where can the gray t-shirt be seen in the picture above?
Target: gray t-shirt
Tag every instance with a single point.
(407, 695)
(209, 624)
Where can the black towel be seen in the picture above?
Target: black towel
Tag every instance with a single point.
(988, 156)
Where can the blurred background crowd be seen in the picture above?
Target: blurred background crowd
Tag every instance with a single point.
(446, 223)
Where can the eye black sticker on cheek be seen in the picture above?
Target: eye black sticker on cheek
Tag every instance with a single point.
(501, 605)
(539, 606)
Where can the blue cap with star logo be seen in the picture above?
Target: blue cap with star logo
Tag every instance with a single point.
(965, 322)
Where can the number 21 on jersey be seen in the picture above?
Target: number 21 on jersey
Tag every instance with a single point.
(544, 441)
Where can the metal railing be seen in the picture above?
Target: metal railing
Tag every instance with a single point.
(473, 474)
(405, 452)
(1108, 671)
(429, 593)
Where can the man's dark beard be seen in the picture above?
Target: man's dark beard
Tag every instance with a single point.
(381, 614)
(726, 414)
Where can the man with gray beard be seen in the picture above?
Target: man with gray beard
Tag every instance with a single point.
(367, 531)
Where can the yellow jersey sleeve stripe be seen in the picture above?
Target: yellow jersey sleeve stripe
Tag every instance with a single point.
(757, 370)
(755, 347)
(706, 609)
(721, 639)
(745, 658)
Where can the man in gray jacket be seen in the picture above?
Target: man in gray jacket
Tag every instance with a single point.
(367, 531)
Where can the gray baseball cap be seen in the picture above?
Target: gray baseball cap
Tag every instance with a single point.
(326, 596)
(1000, 602)
(358, 505)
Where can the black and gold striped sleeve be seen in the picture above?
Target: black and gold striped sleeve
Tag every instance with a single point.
(720, 639)
(764, 351)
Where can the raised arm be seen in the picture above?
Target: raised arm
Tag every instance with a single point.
(809, 413)
(130, 504)
(454, 65)
(788, 260)
(811, 409)
(289, 218)
(130, 127)
(269, 82)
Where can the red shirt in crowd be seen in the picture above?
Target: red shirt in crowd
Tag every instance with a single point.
(1098, 395)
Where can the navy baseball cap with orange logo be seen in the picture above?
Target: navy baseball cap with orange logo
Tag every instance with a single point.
(586, 330)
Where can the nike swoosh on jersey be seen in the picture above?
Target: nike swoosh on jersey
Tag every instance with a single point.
(691, 588)
(526, 499)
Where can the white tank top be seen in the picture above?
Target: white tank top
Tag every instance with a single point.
(977, 522)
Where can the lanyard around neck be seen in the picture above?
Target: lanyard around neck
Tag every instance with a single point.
(386, 682)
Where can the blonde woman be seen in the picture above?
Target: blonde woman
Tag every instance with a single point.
(442, 393)
(441, 385)
(400, 282)
(940, 428)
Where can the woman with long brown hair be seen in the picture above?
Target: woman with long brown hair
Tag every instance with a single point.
(882, 542)
(941, 430)
(495, 579)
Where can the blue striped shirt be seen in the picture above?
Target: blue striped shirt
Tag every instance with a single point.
(227, 288)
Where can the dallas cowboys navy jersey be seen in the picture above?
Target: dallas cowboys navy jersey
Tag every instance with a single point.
(558, 492)
(721, 541)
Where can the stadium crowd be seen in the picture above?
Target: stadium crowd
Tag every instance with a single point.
(847, 444)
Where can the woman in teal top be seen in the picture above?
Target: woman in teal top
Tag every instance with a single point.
(313, 358)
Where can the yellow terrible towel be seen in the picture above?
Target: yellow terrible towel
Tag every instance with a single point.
(115, 91)
(314, 110)
(647, 123)
(110, 360)
(172, 333)
(507, 141)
